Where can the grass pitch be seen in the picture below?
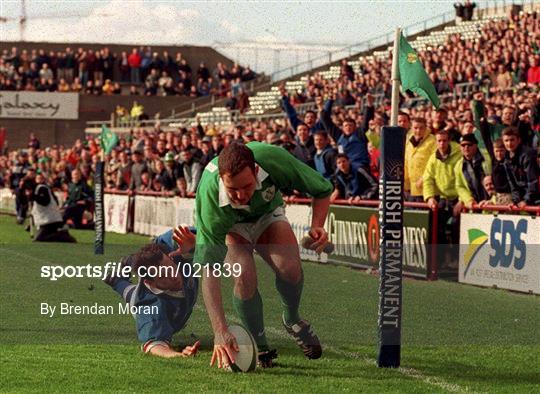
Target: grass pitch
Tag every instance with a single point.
(456, 338)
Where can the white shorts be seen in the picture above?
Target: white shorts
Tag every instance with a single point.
(252, 231)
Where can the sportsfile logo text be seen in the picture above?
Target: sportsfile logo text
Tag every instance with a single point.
(55, 272)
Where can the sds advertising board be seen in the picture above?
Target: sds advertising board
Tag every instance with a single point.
(500, 251)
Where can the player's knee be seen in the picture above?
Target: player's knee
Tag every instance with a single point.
(291, 273)
(245, 285)
(245, 289)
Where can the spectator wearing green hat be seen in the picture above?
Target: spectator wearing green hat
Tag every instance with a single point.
(192, 172)
(43, 167)
(171, 171)
(207, 152)
(470, 171)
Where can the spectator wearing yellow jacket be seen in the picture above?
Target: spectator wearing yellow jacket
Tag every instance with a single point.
(439, 187)
(137, 110)
(470, 172)
(418, 149)
(439, 176)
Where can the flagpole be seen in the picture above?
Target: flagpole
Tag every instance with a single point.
(395, 79)
(392, 149)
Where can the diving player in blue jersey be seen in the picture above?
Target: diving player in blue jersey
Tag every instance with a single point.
(169, 299)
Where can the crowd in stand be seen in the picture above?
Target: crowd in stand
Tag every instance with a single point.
(475, 150)
(504, 57)
(101, 71)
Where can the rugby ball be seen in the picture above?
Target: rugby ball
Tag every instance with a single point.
(246, 359)
(306, 242)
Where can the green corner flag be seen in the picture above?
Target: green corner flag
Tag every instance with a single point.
(107, 140)
(412, 74)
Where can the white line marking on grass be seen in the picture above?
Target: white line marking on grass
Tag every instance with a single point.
(409, 372)
(434, 380)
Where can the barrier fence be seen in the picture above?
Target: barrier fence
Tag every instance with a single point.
(7, 200)
(354, 229)
(495, 250)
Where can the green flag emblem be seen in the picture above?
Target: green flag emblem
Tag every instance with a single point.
(107, 139)
(412, 74)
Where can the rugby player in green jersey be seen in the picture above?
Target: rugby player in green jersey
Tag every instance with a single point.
(239, 210)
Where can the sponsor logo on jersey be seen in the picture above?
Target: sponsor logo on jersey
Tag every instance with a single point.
(269, 193)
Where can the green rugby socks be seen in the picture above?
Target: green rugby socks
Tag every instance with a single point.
(290, 299)
(250, 313)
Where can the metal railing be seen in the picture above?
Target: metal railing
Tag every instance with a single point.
(348, 51)
(489, 7)
(496, 6)
(505, 208)
(461, 90)
(210, 100)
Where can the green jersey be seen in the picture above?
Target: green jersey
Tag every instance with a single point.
(216, 214)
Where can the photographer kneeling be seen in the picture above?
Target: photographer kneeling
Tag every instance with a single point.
(46, 214)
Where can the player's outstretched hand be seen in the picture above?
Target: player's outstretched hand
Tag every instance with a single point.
(225, 346)
(320, 236)
(184, 238)
(190, 351)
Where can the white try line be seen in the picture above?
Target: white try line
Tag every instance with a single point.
(409, 372)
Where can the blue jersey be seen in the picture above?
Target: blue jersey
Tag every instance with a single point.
(173, 310)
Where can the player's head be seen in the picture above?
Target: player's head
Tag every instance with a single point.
(310, 118)
(150, 262)
(238, 172)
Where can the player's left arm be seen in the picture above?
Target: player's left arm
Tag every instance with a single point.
(163, 349)
(290, 173)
